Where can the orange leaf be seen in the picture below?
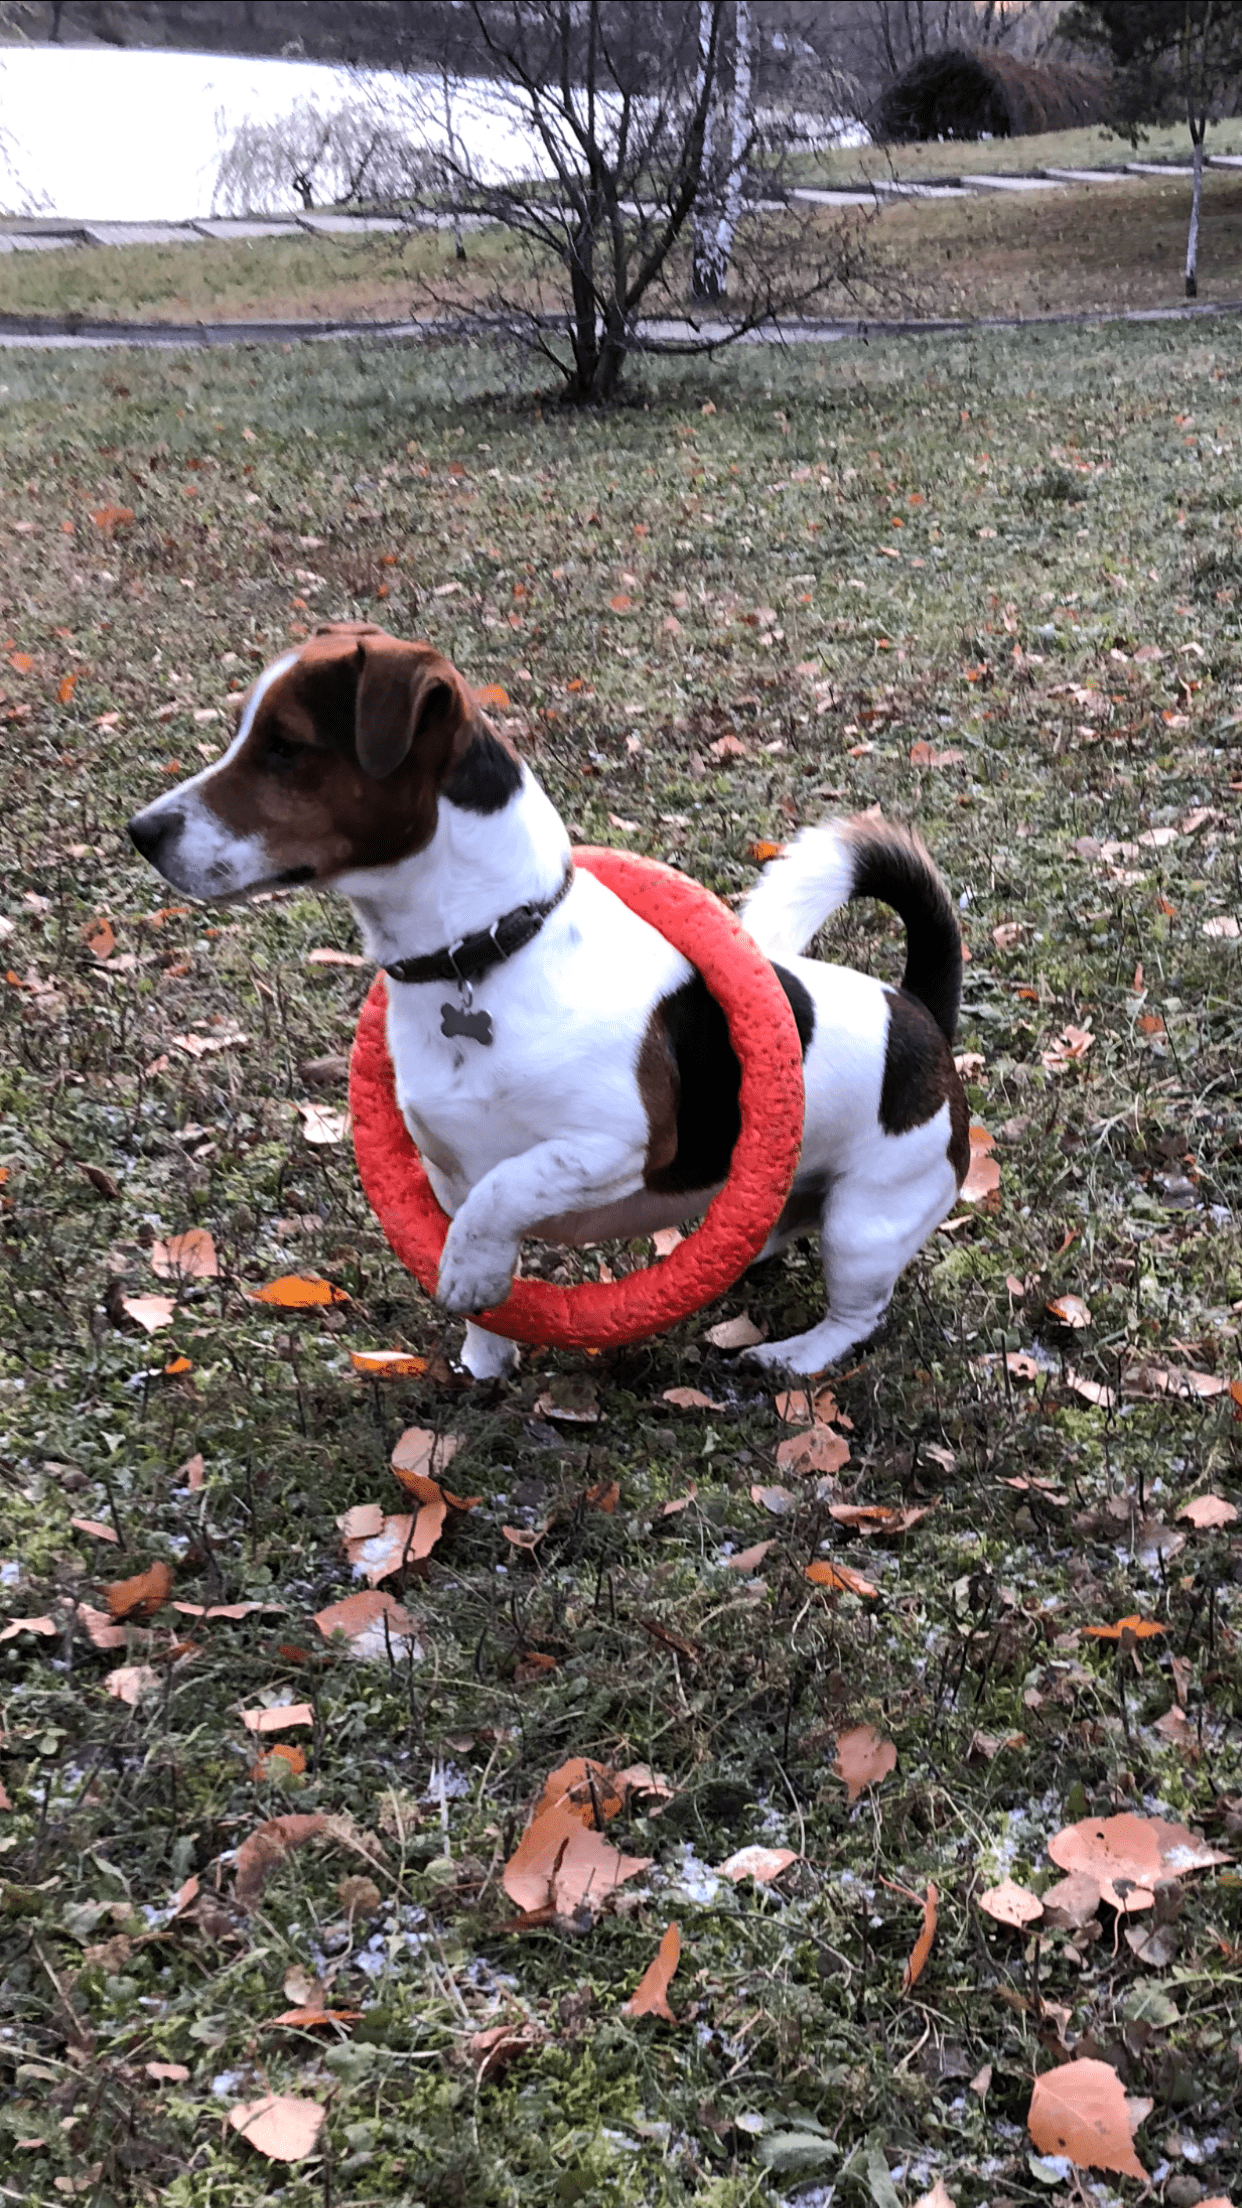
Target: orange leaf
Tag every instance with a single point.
(1070, 1310)
(589, 1789)
(747, 1560)
(150, 1312)
(267, 1846)
(1079, 2110)
(1141, 1628)
(761, 1864)
(298, 1292)
(816, 1450)
(1128, 1855)
(388, 1364)
(95, 1527)
(493, 693)
(172, 2073)
(381, 1553)
(188, 1256)
(129, 1682)
(99, 938)
(558, 1860)
(369, 1620)
(1012, 1904)
(282, 2126)
(44, 1625)
(840, 1580)
(690, 1399)
(620, 604)
(983, 1173)
(650, 1996)
(20, 662)
(310, 2018)
(279, 1718)
(1209, 1510)
(762, 852)
(326, 956)
(65, 689)
(923, 1945)
(176, 1366)
(283, 1752)
(418, 1451)
(111, 517)
(863, 1758)
(143, 1595)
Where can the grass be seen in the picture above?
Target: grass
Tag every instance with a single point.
(1109, 247)
(1091, 148)
(1066, 500)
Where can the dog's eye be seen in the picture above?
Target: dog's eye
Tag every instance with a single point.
(281, 753)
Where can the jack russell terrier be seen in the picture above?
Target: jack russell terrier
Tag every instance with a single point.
(578, 1082)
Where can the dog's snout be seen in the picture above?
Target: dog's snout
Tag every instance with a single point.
(151, 829)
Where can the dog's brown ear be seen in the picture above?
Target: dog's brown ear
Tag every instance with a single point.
(402, 695)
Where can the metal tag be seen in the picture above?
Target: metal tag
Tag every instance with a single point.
(475, 1026)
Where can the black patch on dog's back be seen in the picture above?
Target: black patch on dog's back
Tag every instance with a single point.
(708, 1080)
(920, 1076)
(486, 776)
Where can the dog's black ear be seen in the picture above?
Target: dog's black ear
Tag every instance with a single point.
(402, 695)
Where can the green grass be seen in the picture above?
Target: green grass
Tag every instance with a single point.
(1090, 148)
(1065, 500)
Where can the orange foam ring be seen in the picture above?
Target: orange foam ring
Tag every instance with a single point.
(599, 1314)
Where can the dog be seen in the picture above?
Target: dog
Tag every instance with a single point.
(560, 1066)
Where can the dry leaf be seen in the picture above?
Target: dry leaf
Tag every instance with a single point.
(493, 2049)
(923, 1945)
(267, 1846)
(284, 1756)
(761, 1864)
(361, 1522)
(326, 956)
(560, 1862)
(779, 1500)
(101, 1632)
(1079, 2110)
(171, 2073)
(940, 2196)
(581, 1413)
(282, 2126)
(840, 1580)
(589, 1789)
(370, 1621)
(279, 1718)
(1209, 1510)
(188, 1256)
(97, 935)
(96, 1529)
(819, 1449)
(44, 1625)
(310, 2017)
(1141, 1629)
(748, 1560)
(880, 1518)
(377, 1555)
(690, 1399)
(1012, 1904)
(388, 1364)
(191, 1474)
(129, 1682)
(1129, 1855)
(983, 1172)
(1072, 1902)
(1070, 1310)
(863, 1759)
(924, 754)
(1224, 926)
(1021, 1367)
(143, 1595)
(150, 1312)
(298, 1292)
(739, 1333)
(424, 1454)
(322, 1125)
(650, 1996)
(493, 693)
(665, 1240)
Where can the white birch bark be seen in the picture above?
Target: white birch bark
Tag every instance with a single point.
(739, 139)
(1192, 239)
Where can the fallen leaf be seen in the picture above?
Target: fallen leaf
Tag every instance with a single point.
(44, 1625)
(588, 1788)
(101, 1632)
(310, 2018)
(388, 1364)
(143, 1595)
(923, 1945)
(924, 754)
(1209, 1510)
(129, 1682)
(665, 1240)
(819, 1449)
(1072, 1901)
(727, 747)
(679, 1503)
(761, 1864)
(880, 1518)
(282, 2126)
(840, 1580)
(377, 1555)
(779, 1500)
(690, 1399)
(298, 1291)
(492, 2050)
(560, 1861)
(279, 1718)
(580, 1413)
(284, 1755)
(940, 2196)
(748, 1560)
(1008, 934)
(98, 935)
(110, 517)
(371, 1623)
(605, 1495)
(95, 1527)
(1070, 1310)
(188, 1256)
(650, 1996)
(268, 1845)
(983, 1172)
(150, 1312)
(191, 1474)
(493, 693)
(322, 1125)
(167, 2073)
(1012, 1904)
(1079, 2110)
(1129, 1855)
(326, 956)
(1020, 1366)
(1224, 926)
(863, 1759)
(761, 852)
(739, 1333)
(101, 1182)
(421, 1454)
(1142, 1629)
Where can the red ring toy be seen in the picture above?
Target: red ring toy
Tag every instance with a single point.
(598, 1314)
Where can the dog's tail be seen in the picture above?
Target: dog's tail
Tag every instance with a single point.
(864, 857)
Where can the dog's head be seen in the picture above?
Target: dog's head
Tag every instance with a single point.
(343, 752)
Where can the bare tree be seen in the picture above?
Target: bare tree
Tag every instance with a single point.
(641, 173)
(348, 154)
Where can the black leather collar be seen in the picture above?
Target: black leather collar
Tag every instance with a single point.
(476, 954)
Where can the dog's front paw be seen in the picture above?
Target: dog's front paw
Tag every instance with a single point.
(474, 1275)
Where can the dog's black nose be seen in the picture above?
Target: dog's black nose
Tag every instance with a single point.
(148, 831)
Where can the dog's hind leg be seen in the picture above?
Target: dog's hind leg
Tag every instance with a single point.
(488, 1356)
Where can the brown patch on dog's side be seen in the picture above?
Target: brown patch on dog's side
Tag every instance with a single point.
(348, 753)
(658, 1086)
(920, 1076)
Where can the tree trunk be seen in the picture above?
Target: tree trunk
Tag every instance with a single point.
(706, 280)
(1196, 199)
(739, 140)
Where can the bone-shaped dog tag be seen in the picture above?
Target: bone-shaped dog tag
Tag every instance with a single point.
(475, 1026)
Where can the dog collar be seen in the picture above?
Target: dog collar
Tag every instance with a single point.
(474, 955)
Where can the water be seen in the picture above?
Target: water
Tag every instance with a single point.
(92, 133)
